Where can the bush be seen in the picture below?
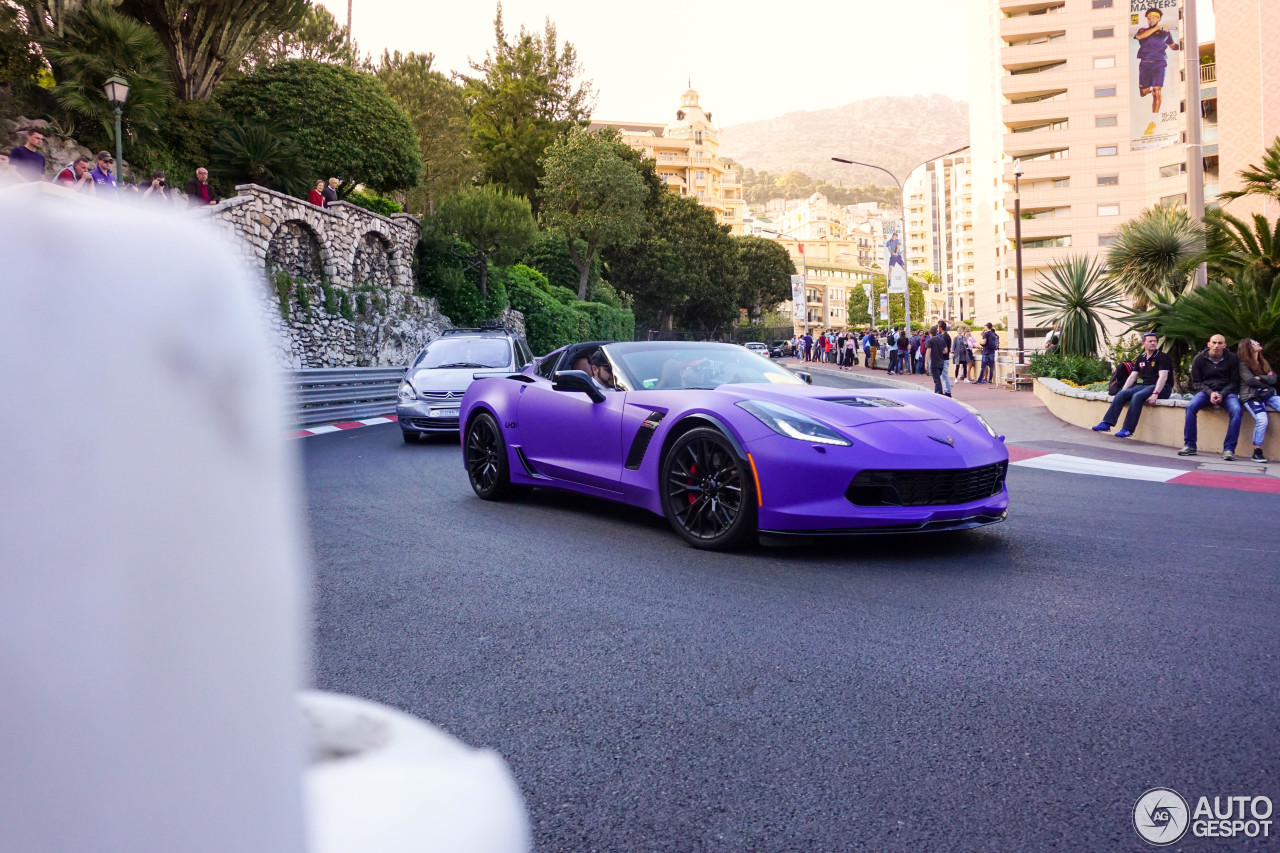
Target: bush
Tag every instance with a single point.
(374, 203)
(1080, 369)
(442, 275)
(549, 324)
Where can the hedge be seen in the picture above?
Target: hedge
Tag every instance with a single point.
(553, 319)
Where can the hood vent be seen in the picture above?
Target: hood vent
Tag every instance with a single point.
(864, 402)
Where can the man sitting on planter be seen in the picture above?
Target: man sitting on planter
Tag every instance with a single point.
(1215, 377)
(1152, 370)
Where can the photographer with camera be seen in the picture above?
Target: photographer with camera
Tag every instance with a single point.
(158, 189)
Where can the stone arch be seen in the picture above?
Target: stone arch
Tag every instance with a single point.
(372, 262)
(297, 249)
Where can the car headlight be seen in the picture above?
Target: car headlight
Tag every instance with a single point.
(792, 424)
(405, 391)
(991, 432)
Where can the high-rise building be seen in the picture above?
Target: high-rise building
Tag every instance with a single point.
(938, 200)
(1050, 89)
(687, 154)
(1246, 80)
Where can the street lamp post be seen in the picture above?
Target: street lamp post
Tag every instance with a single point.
(902, 234)
(1017, 249)
(117, 91)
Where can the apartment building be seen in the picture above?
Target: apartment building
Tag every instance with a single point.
(1246, 85)
(832, 275)
(938, 204)
(687, 153)
(1050, 89)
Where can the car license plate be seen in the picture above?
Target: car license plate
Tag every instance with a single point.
(444, 413)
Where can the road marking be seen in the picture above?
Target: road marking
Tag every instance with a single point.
(341, 425)
(1100, 468)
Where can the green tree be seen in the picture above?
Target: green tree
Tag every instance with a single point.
(1155, 251)
(97, 42)
(48, 18)
(591, 195)
(206, 39)
(1077, 294)
(437, 108)
(356, 132)
(857, 303)
(523, 99)
(20, 63)
(318, 36)
(1261, 180)
(256, 154)
(497, 226)
(683, 268)
(766, 274)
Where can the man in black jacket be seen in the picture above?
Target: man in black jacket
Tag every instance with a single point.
(1215, 377)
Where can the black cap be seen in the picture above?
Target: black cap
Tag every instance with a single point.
(598, 358)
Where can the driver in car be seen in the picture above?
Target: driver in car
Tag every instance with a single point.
(601, 370)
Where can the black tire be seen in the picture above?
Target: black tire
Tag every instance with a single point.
(708, 493)
(410, 437)
(485, 455)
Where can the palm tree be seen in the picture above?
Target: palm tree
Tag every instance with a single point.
(97, 42)
(1078, 295)
(1243, 254)
(1157, 250)
(259, 154)
(1260, 180)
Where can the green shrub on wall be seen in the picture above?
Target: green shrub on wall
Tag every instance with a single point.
(1080, 369)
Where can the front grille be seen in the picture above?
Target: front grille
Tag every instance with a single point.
(434, 423)
(926, 488)
(440, 395)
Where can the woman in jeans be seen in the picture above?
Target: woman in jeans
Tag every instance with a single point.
(1257, 390)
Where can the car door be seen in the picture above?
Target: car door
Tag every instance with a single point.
(565, 435)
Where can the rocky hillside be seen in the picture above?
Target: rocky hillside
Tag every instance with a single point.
(895, 132)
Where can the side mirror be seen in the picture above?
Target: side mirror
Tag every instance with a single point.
(805, 375)
(577, 380)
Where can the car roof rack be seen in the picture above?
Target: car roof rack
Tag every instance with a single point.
(495, 329)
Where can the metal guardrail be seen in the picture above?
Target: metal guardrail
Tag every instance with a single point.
(328, 394)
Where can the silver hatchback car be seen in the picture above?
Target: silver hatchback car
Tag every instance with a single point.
(433, 385)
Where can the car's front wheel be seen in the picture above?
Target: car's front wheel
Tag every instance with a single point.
(486, 458)
(708, 493)
(410, 437)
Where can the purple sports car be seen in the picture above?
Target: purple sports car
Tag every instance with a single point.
(727, 445)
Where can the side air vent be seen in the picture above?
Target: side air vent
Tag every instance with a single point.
(641, 443)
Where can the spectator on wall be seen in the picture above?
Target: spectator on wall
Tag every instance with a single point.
(1151, 372)
(1215, 377)
(331, 192)
(26, 158)
(316, 196)
(1257, 391)
(103, 177)
(199, 190)
(75, 176)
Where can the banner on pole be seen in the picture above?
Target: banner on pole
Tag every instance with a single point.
(1155, 55)
(798, 312)
(884, 306)
(898, 280)
(892, 254)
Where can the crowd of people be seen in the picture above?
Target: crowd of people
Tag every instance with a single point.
(931, 351)
(26, 163)
(1233, 382)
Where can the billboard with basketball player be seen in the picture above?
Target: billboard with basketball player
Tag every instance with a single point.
(1155, 58)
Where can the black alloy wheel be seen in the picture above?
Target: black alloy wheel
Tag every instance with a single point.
(486, 458)
(708, 493)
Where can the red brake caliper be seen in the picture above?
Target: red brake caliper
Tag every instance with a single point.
(693, 469)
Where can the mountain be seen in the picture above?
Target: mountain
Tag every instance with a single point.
(897, 133)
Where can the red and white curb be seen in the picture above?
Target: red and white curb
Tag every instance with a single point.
(1047, 461)
(341, 425)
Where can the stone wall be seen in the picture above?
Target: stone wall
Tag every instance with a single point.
(338, 282)
(347, 245)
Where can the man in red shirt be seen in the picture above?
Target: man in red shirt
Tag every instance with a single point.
(76, 176)
(199, 192)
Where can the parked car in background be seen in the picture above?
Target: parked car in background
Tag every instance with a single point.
(779, 349)
(433, 385)
(756, 347)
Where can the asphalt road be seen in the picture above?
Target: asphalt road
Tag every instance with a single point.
(1013, 688)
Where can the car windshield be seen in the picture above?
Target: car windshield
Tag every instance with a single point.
(696, 366)
(465, 352)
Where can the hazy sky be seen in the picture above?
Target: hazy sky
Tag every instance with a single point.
(748, 60)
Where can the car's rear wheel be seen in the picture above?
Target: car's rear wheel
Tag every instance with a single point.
(486, 458)
(708, 494)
